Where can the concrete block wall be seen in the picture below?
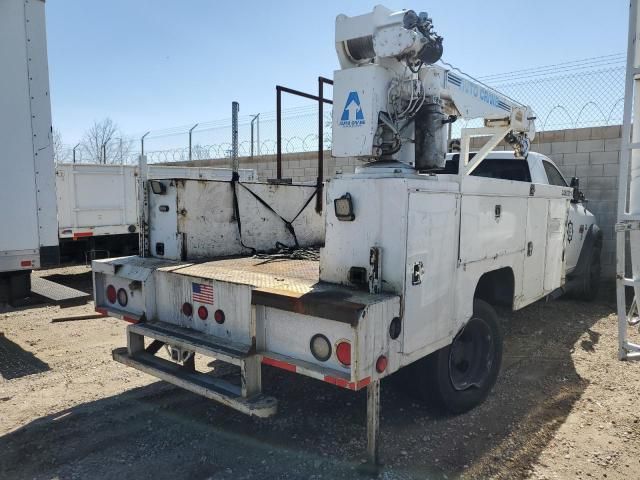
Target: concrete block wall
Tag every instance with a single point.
(592, 154)
(300, 167)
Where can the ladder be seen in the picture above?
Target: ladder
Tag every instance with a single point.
(628, 224)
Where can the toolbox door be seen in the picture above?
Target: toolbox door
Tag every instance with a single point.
(535, 249)
(432, 238)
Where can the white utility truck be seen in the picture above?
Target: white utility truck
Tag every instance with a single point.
(98, 203)
(414, 254)
(28, 226)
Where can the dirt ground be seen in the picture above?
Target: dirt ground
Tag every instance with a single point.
(563, 407)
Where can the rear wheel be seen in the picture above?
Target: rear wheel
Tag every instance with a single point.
(460, 376)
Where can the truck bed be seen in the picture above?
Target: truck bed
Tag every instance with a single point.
(261, 272)
(286, 284)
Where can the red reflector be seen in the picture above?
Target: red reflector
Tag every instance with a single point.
(219, 316)
(343, 352)
(381, 364)
(112, 295)
(203, 313)
(26, 263)
(187, 309)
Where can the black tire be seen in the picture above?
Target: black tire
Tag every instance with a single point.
(455, 379)
(590, 282)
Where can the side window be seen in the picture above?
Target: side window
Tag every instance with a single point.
(504, 169)
(553, 175)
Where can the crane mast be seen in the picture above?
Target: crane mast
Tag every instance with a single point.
(391, 103)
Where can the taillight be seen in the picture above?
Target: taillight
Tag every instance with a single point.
(381, 364)
(218, 316)
(343, 352)
(320, 347)
(187, 309)
(112, 295)
(203, 313)
(123, 298)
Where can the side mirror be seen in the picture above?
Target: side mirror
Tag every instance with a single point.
(577, 194)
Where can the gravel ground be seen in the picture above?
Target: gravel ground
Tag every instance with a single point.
(563, 407)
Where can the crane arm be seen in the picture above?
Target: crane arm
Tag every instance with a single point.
(392, 103)
(467, 98)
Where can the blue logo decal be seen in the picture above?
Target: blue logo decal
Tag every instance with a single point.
(352, 115)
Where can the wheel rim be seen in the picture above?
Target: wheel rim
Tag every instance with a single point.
(471, 355)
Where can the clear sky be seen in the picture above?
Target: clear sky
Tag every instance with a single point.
(153, 64)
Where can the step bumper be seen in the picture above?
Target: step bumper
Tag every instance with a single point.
(195, 341)
(220, 390)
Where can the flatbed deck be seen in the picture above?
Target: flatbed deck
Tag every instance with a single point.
(280, 273)
(286, 284)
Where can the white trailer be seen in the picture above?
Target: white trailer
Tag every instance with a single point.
(28, 226)
(413, 257)
(97, 200)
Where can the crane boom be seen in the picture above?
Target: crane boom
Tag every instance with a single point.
(393, 103)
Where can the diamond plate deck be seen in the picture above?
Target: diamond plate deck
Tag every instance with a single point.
(286, 284)
(57, 293)
(297, 276)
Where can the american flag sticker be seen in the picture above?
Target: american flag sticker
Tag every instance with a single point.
(202, 293)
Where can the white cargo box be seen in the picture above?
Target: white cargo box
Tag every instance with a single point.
(97, 200)
(27, 189)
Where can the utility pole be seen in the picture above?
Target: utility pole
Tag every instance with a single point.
(235, 108)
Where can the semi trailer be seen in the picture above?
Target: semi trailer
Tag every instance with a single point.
(28, 226)
(416, 248)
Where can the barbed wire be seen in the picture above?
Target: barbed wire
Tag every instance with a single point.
(575, 94)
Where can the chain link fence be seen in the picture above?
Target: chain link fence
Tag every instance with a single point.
(256, 133)
(582, 93)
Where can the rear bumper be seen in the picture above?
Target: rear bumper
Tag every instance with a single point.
(16, 260)
(258, 405)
